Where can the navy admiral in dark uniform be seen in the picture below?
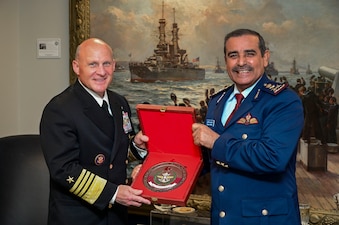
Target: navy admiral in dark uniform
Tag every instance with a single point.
(253, 153)
(87, 135)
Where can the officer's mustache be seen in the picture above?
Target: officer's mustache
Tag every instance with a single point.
(242, 68)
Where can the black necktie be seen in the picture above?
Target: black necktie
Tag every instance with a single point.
(105, 107)
(239, 98)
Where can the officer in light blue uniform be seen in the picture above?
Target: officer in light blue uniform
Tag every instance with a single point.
(253, 155)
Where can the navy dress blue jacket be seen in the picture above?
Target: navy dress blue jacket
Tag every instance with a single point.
(86, 152)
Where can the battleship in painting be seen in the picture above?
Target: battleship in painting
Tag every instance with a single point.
(169, 62)
(218, 68)
(271, 70)
(294, 70)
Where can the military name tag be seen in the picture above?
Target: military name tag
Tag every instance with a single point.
(165, 176)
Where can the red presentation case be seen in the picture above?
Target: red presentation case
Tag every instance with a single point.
(174, 162)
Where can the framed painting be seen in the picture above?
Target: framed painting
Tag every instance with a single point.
(134, 30)
(296, 33)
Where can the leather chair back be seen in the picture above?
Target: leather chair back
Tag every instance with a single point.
(24, 185)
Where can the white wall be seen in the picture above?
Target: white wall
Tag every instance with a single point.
(28, 83)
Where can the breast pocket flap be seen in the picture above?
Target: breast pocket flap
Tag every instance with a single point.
(267, 207)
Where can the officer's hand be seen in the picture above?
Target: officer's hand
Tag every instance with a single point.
(129, 196)
(135, 171)
(140, 140)
(203, 135)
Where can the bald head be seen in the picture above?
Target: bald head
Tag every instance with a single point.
(91, 43)
(94, 65)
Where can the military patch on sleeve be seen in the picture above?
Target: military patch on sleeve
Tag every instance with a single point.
(274, 88)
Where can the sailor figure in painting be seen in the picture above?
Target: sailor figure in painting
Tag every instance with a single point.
(169, 62)
(253, 156)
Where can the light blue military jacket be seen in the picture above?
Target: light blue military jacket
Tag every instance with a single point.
(253, 161)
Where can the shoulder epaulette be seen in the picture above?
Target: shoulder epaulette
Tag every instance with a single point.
(274, 88)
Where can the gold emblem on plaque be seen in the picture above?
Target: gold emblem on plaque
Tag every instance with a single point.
(165, 176)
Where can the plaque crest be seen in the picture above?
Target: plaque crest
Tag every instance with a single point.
(165, 176)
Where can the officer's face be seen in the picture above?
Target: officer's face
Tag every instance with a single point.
(95, 66)
(244, 62)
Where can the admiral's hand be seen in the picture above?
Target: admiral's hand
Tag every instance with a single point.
(203, 135)
(140, 140)
(135, 171)
(129, 196)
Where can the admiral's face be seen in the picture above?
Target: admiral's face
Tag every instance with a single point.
(95, 66)
(244, 62)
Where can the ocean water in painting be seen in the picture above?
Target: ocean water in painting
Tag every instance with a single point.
(159, 92)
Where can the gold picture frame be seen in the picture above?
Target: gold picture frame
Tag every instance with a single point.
(79, 28)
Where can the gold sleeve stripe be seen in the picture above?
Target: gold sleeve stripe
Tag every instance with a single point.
(88, 186)
(95, 190)
(83, 182)
(76, 184)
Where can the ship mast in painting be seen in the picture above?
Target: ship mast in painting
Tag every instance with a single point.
(294, 69)
(169, 62)
(218, 68)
